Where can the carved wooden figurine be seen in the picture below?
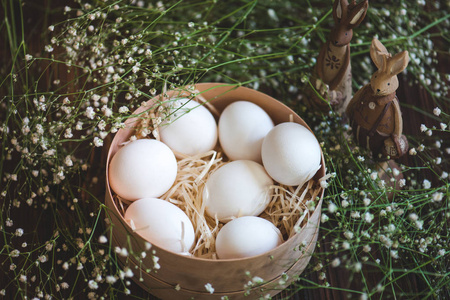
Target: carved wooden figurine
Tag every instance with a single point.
(374, 112)
(333, 78)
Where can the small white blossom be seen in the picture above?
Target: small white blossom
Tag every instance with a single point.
(98, 142)
(129, 273)
(14, 253)
(209, 288)
(355, 214)
(366, 201)
(332, 208)
(423, 128)
(123, 109)
(93, 285)
(90, 113)
(437, 111)
(394, 254)
(419, 224)
(102, 239)
(373, 175)
(64, 285)
(19, 232)
(348, 235)
(48, 48)
(68, 161)
(437, 197)
(156, 265)
(336, 262)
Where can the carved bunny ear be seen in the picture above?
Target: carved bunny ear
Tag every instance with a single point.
(379, 54)
(398, 62)
(357, 13)
(339, 9)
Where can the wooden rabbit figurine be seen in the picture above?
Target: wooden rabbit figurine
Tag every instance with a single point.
(374, 112)
(333, 78)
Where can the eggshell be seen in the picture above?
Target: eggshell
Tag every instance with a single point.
(190, 129)
(142, 168)
(291, 154)
(239, 188)
(247, 236)
(161, 223)
(242, 128)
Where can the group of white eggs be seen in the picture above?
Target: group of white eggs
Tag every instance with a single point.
(236, 193)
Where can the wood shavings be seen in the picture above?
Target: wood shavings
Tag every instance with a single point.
(187, 193)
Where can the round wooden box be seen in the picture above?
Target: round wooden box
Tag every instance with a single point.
(183, 277)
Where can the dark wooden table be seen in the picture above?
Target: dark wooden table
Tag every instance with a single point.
(338, 278)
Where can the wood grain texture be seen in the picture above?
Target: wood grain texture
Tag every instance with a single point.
(339, 278)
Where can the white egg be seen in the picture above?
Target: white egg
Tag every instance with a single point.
(191, 128)
(247, 236)
(142, 168)
(291, 154)
(161, 223)
(239, 188)
(242, 128)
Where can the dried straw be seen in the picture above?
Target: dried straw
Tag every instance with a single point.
(289, 208)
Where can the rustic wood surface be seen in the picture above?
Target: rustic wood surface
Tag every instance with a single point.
(338, 278)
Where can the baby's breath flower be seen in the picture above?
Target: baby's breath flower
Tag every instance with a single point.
(348, 235)
(336, 262)
(19, 232)
(209, 288)
(110, 279)
(64, 285)
(128, 273)
(423, 128)
(437, 111)
(437, 197)
(332, 208)
(102, 239)
(155, 262)
(93, 285)
(345, 203)
(373, 175)
(14, 253)
(366, 201)
(90, 113)
(48, 48)
(98, 142)
(123, 109)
